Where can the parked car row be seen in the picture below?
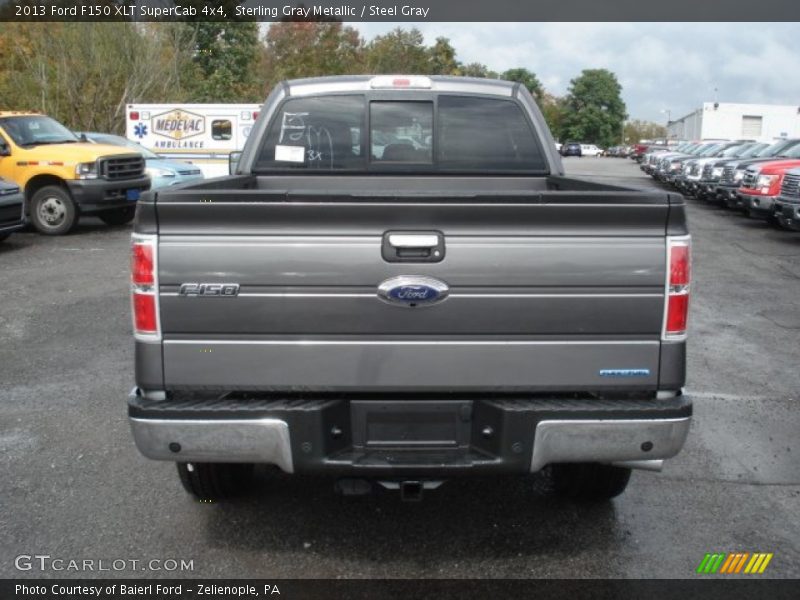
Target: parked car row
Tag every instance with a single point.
(51, 176)
(619, 151)
(756, 178)
(579, 149)
(637, 151)
(622, 151)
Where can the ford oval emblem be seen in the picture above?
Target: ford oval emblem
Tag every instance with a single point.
(413, 291)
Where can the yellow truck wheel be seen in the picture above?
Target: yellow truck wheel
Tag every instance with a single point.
(52, 211)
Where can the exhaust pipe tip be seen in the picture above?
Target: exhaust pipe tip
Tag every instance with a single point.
(644, 465)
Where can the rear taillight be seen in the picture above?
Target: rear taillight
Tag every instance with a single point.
(142, 267)
(679, 277)
(144, 288)
(144, 313)
(134, 115)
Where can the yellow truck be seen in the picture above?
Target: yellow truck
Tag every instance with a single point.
(63, 177)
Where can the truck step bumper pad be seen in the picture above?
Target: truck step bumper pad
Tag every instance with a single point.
(607, 441)
(391, 435)
(231, 441)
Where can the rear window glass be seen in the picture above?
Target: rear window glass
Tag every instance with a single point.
(316, 134)
(401, 132)
(466, 134)
(486, 133)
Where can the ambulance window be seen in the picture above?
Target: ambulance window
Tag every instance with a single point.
(221, 130)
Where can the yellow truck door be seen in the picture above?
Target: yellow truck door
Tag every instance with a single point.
(8, 164)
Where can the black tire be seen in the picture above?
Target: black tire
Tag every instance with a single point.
(118, 216)
(215, 481)
(589, 481)
(52, 211)
(4, 236)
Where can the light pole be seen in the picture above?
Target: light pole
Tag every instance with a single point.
(669, 120)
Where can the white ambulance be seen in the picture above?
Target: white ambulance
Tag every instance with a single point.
(202, 134)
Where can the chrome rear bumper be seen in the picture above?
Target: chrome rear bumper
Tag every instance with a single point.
(230, 441)
(639, 443)
(608, 441)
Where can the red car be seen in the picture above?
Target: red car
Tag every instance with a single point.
(761, 187)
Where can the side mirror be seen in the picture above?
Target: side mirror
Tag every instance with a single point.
(233, 161)
(4, 149)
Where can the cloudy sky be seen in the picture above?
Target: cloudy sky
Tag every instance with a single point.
(661, 66)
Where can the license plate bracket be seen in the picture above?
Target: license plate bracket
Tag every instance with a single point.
(411, 424)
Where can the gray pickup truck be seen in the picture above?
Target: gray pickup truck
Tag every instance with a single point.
(398, 285)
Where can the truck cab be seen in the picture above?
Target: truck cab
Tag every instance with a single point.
(63, 177)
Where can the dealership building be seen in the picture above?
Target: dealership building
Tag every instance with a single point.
(723, 120)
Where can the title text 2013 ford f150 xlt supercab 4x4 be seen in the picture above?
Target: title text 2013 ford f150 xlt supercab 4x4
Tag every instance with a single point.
(399, 285)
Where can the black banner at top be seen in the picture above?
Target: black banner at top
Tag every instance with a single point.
(401, 10)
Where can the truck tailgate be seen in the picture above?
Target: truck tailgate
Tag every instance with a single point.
(547, 290)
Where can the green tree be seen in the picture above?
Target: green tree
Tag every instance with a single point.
(594, 110)
(476, 70)
(226, 54)
(305, 49)
(528, 79)
(553, 109)
(84, 74)
(398, 51)
(442, 58)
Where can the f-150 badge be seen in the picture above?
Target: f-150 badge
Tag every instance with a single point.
(209, 289)
(413, 291)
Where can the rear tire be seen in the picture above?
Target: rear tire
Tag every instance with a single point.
(118, 216)
(215, 481)
(4, 236)
(52, 211)
(589, 481)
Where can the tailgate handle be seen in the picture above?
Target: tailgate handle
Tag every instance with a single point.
(412, 240)
(413, 246)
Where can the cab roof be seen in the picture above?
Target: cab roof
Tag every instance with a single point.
(423, 83)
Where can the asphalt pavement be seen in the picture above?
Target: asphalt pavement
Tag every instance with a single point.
(75, 488)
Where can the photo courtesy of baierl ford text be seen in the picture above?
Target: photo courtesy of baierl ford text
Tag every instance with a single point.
(443, 299)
